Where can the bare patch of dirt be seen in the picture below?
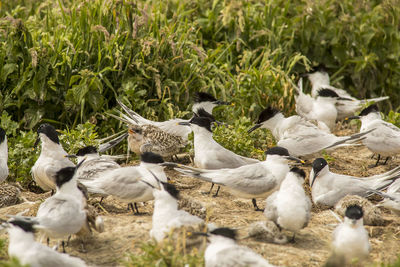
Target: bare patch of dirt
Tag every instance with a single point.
(124, 231)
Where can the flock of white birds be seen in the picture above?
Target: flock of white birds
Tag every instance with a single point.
(303, 136)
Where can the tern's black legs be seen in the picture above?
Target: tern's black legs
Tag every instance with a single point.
(216, 193)
(256, 208)
(292, 240)
(379, 157)
(212, 185)
(134, 208)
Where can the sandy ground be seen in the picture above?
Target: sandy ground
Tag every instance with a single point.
(124, 231)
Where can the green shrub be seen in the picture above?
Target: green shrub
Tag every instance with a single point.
(164, 254)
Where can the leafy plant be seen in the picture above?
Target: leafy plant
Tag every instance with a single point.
(235, 138)
(164, 254)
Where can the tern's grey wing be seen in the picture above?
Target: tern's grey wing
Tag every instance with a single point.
(341, 188)
(252, 179)
(124, 183)
(63, 215)
(305, 140)
(238, 256)
(91, 168)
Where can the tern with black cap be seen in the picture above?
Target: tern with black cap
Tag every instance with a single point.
(319, 79)
(299, 136)
(223, 251)
(202, 100)
(166, 215)
(385, 140)
(327, 188)
(350, 239)
(251, 181)
(52, 158)
(22, 245)
(93, 164)
(208, 154)
(62, 214)
(126, 183)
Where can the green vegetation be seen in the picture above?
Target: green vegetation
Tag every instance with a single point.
(65, 62)
(164, 254)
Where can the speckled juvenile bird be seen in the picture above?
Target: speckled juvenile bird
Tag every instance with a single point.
(385, 140)
(319, 79)
(202, 100)
(9, 195)
(3, 155)
(150, 138)
(52, 158)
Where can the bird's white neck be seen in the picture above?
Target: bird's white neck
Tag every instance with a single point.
(19, 236)
(51, 149)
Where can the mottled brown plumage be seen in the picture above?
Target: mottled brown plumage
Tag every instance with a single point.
(9, 195)
(149, 138)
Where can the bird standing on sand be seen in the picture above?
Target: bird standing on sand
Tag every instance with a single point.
(299, 136)
(327, 188)
(385, 140)
(208, 154)
(290, 207)
(350, 239)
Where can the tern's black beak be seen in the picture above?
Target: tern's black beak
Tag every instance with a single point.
(303, 75)
(344, 99)
(71, 156)
(352, 118)
(314, 176)
(185, 123)
(258, 125)
(219, 102)
(199, 233)
(295, 159)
